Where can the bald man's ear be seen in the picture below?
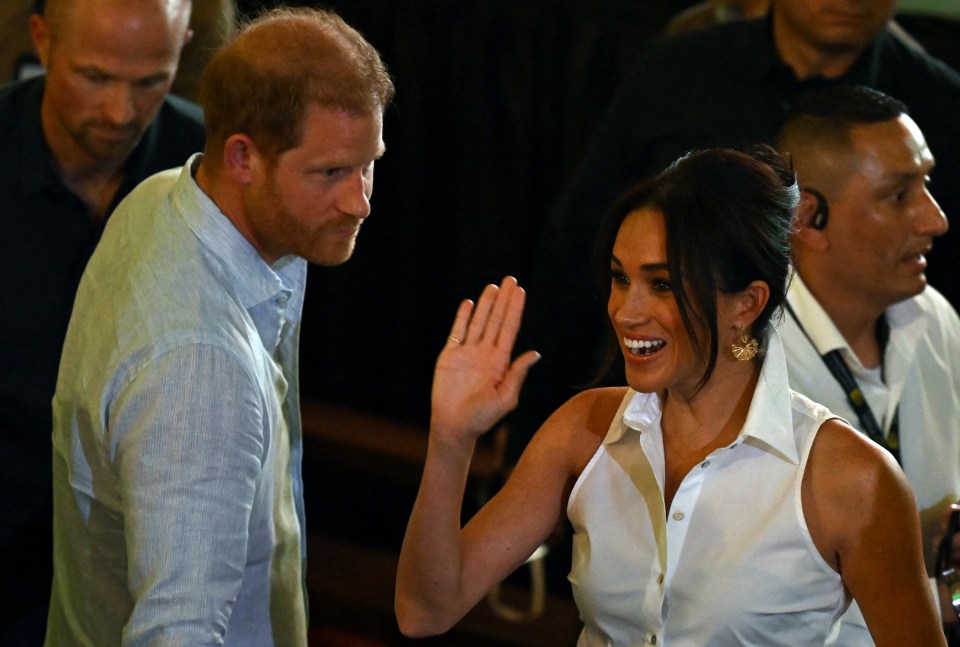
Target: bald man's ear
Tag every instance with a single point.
(40, 35)
(812, 216)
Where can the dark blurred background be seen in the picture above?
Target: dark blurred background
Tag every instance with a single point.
(495, 100)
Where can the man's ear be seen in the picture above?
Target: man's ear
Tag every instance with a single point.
(40, 35)
(810, 221)
(241, 159)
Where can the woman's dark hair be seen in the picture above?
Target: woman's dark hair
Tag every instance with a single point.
(728, 216)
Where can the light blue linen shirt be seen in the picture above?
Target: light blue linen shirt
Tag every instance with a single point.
(178, 501)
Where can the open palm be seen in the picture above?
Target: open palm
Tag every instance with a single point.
(475, 382)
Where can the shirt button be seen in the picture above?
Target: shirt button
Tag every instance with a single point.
(660, 579)
(678, 516)
(705, 464)
(653, 639)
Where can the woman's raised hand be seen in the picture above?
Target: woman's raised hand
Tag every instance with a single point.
(475, 383)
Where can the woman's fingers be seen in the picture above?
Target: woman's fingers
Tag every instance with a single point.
(494, 319)
(508, 289)
(481, 313)
(517, 373)
(458, 332)
(511, 318)
(493, 308)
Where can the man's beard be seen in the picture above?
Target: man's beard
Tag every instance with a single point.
(106, 142)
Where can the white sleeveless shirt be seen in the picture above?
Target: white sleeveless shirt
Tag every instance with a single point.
(732, 562)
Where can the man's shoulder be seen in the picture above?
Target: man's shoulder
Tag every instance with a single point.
(175, 134)
(17, 97)
(724, 62)
(737, 42)
(178, 108)
(907, 68)
(941, 317)
(181, 120)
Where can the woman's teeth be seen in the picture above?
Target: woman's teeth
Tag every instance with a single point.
(642, 346)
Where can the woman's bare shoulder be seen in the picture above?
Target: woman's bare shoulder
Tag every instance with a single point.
(590, 411)
(579, 426)
(842, 457)
(848, 483)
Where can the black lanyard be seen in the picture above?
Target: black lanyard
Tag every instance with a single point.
(868, 422)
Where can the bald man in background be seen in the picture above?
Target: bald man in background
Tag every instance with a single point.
(73, 143)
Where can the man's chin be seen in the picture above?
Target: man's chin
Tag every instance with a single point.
(106, 149)
(916, 286)
(330, 256)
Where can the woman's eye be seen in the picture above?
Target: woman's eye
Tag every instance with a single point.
(660, 285)
(618, 277)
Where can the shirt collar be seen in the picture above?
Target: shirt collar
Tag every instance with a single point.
(769, 420)
(906, 319)
(770, 417)
(817, 324)
(252, 278)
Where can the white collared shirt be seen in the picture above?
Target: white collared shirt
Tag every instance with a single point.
(732, 561)
(921, 371)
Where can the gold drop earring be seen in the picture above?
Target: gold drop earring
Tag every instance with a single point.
(746, 350)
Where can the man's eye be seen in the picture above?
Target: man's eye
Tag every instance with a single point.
(150, 84)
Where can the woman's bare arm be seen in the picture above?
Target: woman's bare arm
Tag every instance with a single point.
(863, 517)
(476, 383)
(444, 571)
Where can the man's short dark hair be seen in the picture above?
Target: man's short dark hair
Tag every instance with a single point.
(832, 111)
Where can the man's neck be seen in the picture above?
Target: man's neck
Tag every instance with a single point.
(806, 58)
(95, 182)
(95, 185)
(856, 320)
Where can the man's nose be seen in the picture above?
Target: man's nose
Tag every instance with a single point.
(119, 104)
(355, 197)
(932, 221)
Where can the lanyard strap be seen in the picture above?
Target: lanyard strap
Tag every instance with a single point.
(868, 422)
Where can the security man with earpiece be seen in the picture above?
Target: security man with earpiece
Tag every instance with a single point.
(863, 332)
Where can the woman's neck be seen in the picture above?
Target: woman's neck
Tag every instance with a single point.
(699, 417)
(696, 425)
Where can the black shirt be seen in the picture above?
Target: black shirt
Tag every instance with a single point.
(47, 236)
